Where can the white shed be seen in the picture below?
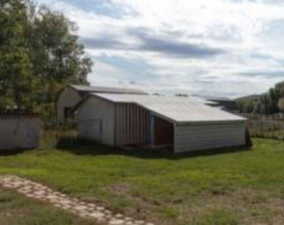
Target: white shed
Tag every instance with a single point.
(180, 122)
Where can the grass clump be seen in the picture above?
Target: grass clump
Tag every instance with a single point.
(218, 217)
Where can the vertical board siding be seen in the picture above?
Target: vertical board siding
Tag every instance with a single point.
(132, 124)
(209, 136)
(19, 132)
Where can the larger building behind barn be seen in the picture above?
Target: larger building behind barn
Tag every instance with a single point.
(71, 95)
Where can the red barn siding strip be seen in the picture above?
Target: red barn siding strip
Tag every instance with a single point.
(132, 124)
(135, 124)
(132, 132)
(119, 123)
(139, 125)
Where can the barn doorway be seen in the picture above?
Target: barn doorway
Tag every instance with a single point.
(163, 132)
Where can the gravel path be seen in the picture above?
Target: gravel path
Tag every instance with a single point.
(81, 208)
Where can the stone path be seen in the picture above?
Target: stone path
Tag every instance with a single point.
(81, 208)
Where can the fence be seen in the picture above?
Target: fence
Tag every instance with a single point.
(271, 126)
(19, 131)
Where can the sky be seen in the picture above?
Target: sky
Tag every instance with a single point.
(216, 48)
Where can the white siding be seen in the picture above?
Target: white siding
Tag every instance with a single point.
(208, 136)
(96, 121)
(68, 98)
(19, 132)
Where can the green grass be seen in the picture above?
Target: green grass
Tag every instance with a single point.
(18, 210)
(236, 188)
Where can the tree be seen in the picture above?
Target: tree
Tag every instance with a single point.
(16, 80)
(39, 54)
(267, 103)
(54, 41)
(55, 45)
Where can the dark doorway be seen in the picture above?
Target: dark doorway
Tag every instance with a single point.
(164, 132)
(67, 112)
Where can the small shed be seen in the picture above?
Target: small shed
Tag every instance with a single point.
(19, 131)
(179, 122)
(73, 94)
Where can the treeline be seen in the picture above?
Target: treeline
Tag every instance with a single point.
(39, 54)
(268, 103)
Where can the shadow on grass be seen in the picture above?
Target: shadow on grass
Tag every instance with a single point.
(11, 152)
(80, 147)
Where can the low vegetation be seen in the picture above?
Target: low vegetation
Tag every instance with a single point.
(237, 188)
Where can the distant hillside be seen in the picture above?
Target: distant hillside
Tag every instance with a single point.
(266, 103)
(248, 98)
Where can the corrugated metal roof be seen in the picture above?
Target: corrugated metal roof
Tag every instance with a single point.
(178, 109)
(101, 89)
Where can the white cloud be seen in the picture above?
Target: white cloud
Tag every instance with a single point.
(214, 47)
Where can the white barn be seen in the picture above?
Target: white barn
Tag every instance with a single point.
(179, 122)
(71, 95)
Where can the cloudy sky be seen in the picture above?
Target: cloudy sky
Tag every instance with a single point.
(225, 48)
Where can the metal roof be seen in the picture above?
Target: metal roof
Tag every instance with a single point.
(101, 89)
(177, 109)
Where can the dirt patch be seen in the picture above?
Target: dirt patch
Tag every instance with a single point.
(236, 207)
(119, 188)
(252, 207)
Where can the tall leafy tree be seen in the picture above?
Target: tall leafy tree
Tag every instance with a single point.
(16, 76)
(54, 43)
(56, 53)
(39, 54)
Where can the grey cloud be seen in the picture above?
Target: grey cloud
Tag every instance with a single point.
(103, 43)
(258, 1)
(178, 49)
(173, 48)
(221, 32)
(274, 30)
(261, 56)
(105, 7)
(266, 74)
(154, 44)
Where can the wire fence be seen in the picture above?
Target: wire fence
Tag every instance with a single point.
(271, 126)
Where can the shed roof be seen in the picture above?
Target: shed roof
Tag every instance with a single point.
(101, 89)
(177, 109)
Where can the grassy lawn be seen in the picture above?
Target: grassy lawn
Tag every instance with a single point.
(18, 210)
(237, 188)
